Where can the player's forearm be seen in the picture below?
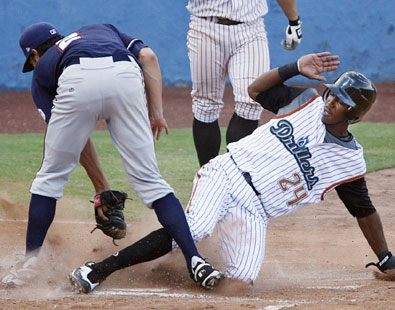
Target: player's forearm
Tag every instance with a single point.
(153, 82)
(289, 8)
(373, 231)
(274, 78)
(264, 82)
(90, 161)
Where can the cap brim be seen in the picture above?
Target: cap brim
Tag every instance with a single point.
(27, 67)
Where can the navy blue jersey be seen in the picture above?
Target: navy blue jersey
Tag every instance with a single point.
(89, 41)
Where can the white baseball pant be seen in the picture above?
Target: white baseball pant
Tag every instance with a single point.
(217, 51)
(222, 198)
(99, 88)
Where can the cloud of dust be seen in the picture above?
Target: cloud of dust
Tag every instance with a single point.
(11, 210)
(69, 244)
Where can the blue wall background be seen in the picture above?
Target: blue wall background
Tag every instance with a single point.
(361, 32)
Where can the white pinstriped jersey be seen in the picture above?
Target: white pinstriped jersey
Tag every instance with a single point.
(289, 162)
(238, 10)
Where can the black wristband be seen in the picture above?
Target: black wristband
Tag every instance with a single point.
(288, 71)
(294, 22)
(384, 254)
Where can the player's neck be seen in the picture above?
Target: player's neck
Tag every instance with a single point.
(338, 129)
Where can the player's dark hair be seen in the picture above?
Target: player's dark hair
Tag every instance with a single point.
(47, 44)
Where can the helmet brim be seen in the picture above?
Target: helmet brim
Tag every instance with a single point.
(341, 94)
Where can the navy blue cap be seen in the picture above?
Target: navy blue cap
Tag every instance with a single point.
(33, 37)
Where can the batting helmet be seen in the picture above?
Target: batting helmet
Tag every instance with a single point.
(356, 91)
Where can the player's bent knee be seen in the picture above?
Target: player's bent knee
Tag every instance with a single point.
(206, 113)
(249, 111)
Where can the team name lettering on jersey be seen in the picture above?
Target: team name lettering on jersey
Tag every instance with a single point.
(284, 133)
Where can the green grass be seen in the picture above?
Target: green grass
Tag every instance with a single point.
(378, 141)
(21, 156)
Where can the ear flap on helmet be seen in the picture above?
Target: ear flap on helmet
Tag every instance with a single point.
(352, 115)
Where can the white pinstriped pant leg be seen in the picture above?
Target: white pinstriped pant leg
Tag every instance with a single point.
(243, 231)
(216, 51)
(222, 198)
(208, 51)
(243, 240)
(209, 200)
(249, 59)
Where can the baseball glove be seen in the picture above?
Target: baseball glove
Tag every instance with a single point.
(387, 267)
(114, 201)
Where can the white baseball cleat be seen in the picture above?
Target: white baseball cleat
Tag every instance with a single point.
(22, 274)
(204, 274)
(79, 278)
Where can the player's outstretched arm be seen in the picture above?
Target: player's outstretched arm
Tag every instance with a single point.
(90, 161)
(264, 82)
(372, 229)
(311, 66)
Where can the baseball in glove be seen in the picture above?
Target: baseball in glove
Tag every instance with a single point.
(113, 203)
(386, 265)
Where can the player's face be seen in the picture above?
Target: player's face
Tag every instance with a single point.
(334, 111)
(34, 58)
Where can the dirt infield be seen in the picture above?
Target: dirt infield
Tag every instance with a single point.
(314, 259)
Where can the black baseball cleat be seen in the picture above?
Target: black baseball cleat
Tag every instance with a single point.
(204, 274)
(79, 279)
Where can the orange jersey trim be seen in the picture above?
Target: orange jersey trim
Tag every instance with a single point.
(338, 183)
(298, 109)
(193, 193)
